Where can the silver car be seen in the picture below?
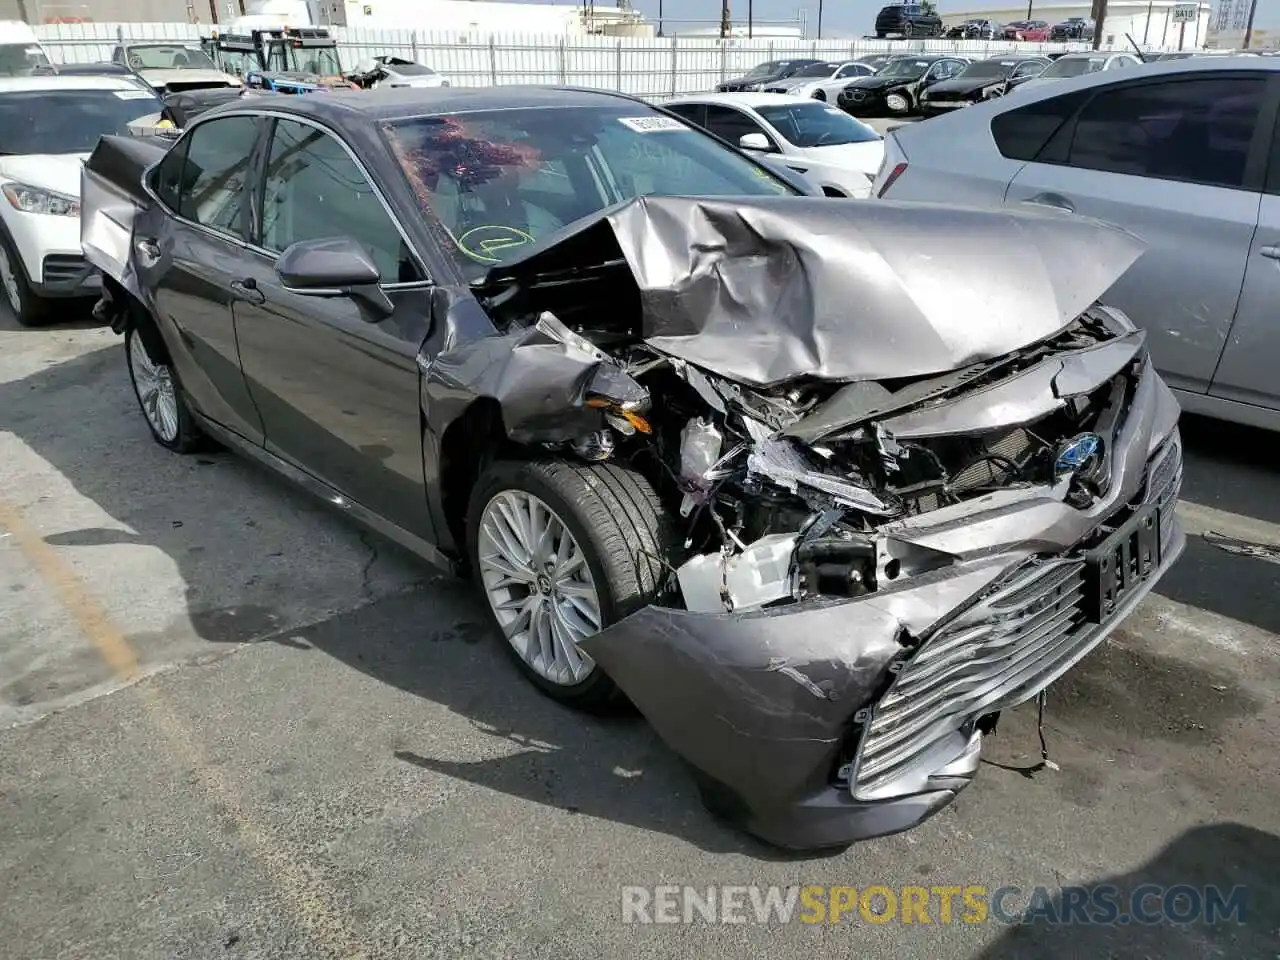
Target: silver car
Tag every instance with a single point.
(821, 81)
(1180, 153)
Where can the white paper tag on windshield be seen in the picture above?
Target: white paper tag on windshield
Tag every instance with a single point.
(133, 94)
(651, 124)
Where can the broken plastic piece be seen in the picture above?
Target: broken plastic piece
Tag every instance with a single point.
(779, 460)
(760, 574)
(700, 446)
(594, 446)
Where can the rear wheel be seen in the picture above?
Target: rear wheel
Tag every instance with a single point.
(560, 551)
(29, 309)
(159, 394)
(819, 95)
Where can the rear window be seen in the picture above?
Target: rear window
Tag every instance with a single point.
(1021, 134)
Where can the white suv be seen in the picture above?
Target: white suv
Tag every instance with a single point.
(48, 127)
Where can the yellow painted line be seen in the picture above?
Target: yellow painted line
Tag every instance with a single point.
(313, 906)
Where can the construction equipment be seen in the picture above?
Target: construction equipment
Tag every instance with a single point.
(290, 60)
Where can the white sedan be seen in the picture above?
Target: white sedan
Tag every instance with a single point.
(837, 153)
(48, 127)
(822, 81)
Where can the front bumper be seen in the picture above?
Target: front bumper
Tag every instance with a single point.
(51, 255)
(827, 722)
(862, 102)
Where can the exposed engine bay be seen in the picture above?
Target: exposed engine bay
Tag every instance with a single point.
(790, 492)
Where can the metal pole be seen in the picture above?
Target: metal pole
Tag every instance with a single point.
(1098, 21)
(1182, 33)
(819, 19)
(725, 26)
(659, 17)
(1147, 29)
(750, 18)
(1029, 2)
(1248, 27)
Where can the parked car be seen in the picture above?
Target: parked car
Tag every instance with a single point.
(976, 29)
(838, 154)
(764, 74)
(172, 67)
(1175, 152)
(822, 81)
(980, 80)
(21, 52)
(48, 126)
(895, 89)
(101, 69)
(1072, 28)
(907, 20)
(1080, 64)
(877, 60)
(387, 71)
(469, 295)
(1029, 31)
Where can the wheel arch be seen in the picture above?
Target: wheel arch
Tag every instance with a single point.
(467, 446)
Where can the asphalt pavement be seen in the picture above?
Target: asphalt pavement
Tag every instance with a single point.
(232, 725)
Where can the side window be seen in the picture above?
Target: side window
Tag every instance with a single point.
(216, 170)
(695, 113)
(167, 182)
(1191, 130)
(314, 191)
(730, 124)
(117, 55)
(1028, 70)
(1022, 133)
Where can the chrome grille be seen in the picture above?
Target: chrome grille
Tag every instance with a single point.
(996, 654)
(1009, 645)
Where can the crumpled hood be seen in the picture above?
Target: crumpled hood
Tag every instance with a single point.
(763, 290)
(52, 171)
(879, 83)
(188, 79)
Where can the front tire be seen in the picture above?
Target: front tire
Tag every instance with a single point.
(819, 95)
(898, 104)
(29, 309)
(560, 551)
(159, 395)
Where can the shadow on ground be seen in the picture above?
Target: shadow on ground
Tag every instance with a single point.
(1225, 860)
(429, 642)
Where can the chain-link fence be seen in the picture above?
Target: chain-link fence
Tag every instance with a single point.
(648, 67)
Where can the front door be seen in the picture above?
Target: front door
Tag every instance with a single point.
(1167, 160)
(338, 387)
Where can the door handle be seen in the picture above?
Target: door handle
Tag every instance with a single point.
(1271, 253)
(247, 289)
(1054, 201)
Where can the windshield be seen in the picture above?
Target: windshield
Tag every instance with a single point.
(1074, 66)
(318, 61)
(814, 124)
(20, 59)
(238, 62)
(767, 69)
(169, 56)
(68, 121)
(988, 69)
(816, 70)
(904, 69)
(501, 180)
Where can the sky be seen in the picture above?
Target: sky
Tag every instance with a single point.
(852, 18)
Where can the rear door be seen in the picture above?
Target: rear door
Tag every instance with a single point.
(1178, 161)
(1248, 371)
(190, 256)
(338, 387)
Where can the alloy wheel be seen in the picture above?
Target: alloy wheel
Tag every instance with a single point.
(539, 585)
(156, 390)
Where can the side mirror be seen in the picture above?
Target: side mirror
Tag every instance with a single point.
(754, 141)
(336, 267)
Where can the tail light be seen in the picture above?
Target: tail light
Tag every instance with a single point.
(893, 166)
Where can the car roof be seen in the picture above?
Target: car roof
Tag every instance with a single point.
(73, 81)
(398, 103)
(741, 99)
(1013, 58)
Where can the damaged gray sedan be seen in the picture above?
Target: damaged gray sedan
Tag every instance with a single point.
(796, 478)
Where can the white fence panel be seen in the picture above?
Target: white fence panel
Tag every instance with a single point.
(652, 67)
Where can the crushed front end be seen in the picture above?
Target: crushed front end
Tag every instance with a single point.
(871, 566)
